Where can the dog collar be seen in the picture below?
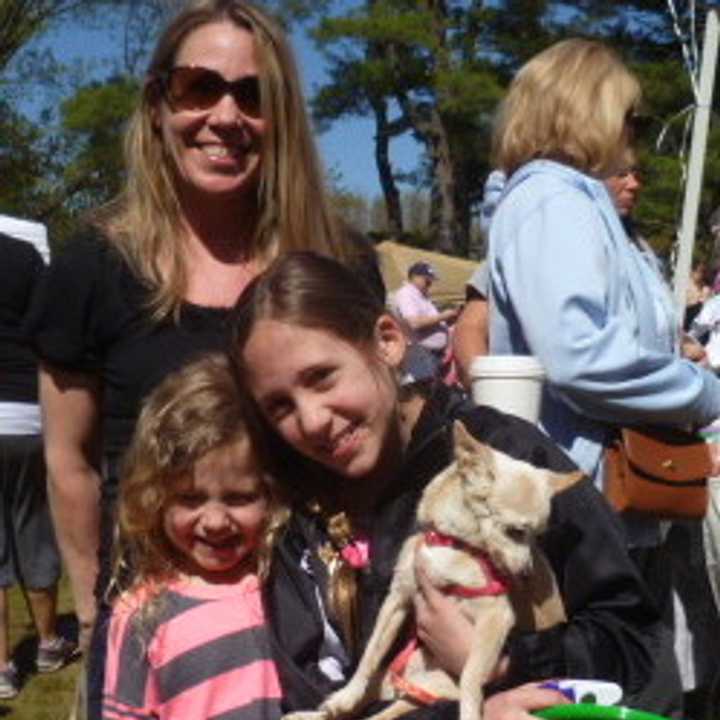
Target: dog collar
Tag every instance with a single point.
(497, 583)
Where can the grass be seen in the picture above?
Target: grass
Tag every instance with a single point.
(42, 697)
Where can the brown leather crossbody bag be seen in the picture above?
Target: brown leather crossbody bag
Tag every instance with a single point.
(659, 472)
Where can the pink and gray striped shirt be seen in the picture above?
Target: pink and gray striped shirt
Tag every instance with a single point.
(205, 654)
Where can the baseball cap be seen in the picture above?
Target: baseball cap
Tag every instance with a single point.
(422, 268)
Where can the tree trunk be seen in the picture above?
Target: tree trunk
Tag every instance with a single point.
(446, 230)
(464, 219)
(429, 126)
(390, 191)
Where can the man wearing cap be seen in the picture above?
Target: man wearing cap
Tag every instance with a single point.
(429, 325)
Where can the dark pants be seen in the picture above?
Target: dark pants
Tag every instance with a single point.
(28, 552)
(97, 652)
(96, 660)
(663, 694)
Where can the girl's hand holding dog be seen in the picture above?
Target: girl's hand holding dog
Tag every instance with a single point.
(447, 634)
(442, 628)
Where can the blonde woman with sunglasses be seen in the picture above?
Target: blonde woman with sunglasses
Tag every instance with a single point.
(222, 175)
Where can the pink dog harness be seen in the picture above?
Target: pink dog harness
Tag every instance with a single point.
(497, 584)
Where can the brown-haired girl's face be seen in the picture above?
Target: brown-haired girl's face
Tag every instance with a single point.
(331, 400)
(209, 116)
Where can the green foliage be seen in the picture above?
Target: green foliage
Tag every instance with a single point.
(20, 165)
(21, 20)
(93, 122)
(97, 109)
(438, 70)
(68, 157)
(418, 67)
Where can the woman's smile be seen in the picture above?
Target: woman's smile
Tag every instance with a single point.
(217, 149)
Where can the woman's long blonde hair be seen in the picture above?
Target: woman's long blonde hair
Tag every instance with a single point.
(193, 411)
(569, 103)
(144, 222)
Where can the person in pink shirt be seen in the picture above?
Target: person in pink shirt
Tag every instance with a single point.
(197, 516)
(430, 327)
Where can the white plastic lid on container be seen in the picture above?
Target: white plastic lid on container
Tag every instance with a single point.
(509, 383)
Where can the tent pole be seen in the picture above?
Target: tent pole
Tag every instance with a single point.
(693, 185)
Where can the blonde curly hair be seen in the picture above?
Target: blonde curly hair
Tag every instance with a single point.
(193, 411)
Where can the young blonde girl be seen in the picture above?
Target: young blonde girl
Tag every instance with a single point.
(319, 358)
(197, 517)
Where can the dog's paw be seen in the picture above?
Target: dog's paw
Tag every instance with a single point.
(345, 701)
(307, 715)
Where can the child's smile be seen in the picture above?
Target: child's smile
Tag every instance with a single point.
(215, 517)
(345, 443)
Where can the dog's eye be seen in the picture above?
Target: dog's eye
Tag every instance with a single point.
(517, 534)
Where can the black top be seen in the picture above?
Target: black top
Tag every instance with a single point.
(21, 267)
(90, 316)
(612, 622)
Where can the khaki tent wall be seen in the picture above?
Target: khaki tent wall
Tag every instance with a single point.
(453, 272)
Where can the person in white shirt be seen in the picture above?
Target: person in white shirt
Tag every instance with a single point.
(707, 323)
(429, 326)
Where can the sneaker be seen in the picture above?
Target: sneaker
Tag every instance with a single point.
(9, 682)
(56, 655)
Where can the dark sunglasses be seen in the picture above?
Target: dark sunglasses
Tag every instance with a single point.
(189, 87)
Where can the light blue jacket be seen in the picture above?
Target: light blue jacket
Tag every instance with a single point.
(568, 286)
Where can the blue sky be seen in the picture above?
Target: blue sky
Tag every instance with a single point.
(347, 148)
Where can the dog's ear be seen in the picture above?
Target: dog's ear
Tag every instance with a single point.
(474, 460)
(561, 481)
(464, 442)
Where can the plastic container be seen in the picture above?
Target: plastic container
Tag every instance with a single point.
(510, 383)
(582, 711)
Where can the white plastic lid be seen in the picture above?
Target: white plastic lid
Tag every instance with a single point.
(506, 366)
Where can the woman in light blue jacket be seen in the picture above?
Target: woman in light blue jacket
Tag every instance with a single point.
(568, 284)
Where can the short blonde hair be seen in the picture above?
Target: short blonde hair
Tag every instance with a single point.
(568, 103)
(193, 411)
(144, 222)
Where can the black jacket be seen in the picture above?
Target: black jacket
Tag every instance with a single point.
(612, 624)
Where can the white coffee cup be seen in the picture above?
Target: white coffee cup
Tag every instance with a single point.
(510, 383)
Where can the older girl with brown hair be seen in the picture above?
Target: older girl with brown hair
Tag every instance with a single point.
(354, 450)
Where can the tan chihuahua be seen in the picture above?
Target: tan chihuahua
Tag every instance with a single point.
(479, 521)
